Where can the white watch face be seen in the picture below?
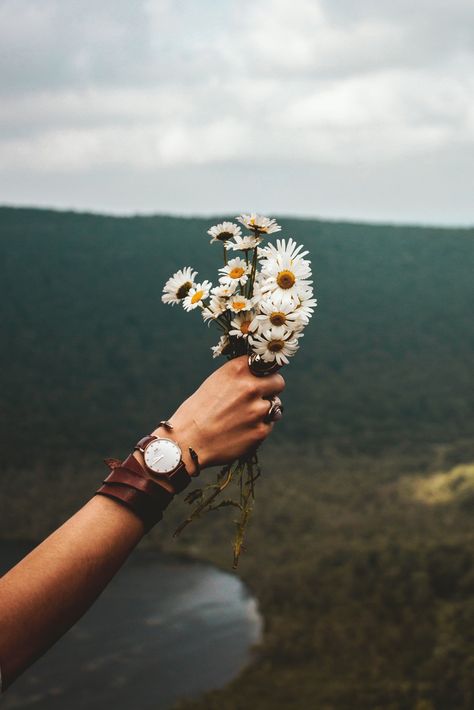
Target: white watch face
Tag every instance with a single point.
(162, 455)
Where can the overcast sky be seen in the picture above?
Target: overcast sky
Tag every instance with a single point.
(360, 109)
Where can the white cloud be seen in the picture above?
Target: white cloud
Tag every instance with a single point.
(155, 84)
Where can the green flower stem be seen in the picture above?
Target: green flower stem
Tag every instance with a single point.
(253, 271)
(218, 488)
(222, 322)
(248, 472)
(254, 264)
(244, 472)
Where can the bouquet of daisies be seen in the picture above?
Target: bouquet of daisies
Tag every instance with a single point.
(262, 303)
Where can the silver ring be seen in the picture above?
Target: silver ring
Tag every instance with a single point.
(275, 413)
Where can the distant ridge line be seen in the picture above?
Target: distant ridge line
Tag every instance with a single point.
(215, 217)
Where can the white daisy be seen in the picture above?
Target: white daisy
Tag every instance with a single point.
(286, 272)
(177, 287)
(222, 291)
(224, 231)
(214, 309)
(275, 344)
(235, 271)
(221, 347)
(239, 303)
(259, 224)
(244, 243)
(306, 308)
(196, 295)
(277, 313)
(241, 324)
(287, 250)
(258, 284)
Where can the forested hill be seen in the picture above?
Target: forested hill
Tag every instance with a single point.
(91, 356)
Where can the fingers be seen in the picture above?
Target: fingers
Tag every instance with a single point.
(265, 386)
(260, 433)
(271, 384)
(262, 407)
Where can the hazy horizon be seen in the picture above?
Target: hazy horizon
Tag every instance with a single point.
(233, 213)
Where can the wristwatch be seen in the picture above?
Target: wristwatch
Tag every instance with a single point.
(163, 460)
(139, 487)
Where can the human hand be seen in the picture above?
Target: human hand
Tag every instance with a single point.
(224, 418)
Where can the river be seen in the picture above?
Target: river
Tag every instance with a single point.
(164, 629)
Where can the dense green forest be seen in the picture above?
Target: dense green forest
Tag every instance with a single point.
(361, 547)
(92, 357)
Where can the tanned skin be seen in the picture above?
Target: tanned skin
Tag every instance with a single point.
(54, 585)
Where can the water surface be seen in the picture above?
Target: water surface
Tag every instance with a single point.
(164, 628)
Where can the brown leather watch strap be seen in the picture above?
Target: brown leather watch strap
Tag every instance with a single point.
(145, 485)
(131, 486)
(179, 479)
(133, 465)
(140, 445)
(141, 504)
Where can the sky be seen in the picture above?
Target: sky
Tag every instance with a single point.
(342, 109)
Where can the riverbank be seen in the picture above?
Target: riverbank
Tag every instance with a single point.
(366, 588)
(165, 628)
(364, 579)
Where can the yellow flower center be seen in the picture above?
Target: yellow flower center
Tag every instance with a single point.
(239, 305)
(244, 327)
(278, 318)
(276, 345)
(197, 296)
(183, 290)
(236, 272)
(286, 279)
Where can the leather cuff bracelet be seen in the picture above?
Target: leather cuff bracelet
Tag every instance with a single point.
(131, 486)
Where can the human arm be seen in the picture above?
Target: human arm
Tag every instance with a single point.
(52, 587)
